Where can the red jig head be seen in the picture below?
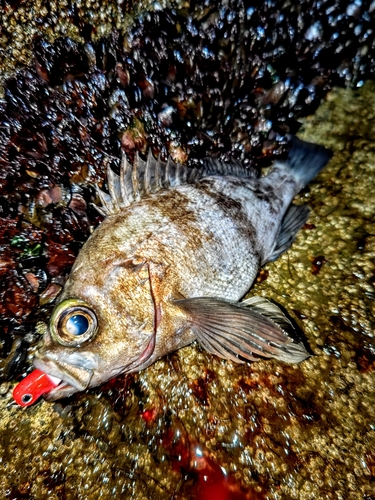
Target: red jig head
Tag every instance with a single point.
(33, 386)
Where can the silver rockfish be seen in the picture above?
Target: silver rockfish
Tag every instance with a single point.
(176, 252)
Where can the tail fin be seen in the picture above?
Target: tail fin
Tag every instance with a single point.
(306, 160)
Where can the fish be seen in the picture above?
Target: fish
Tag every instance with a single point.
(176, 253)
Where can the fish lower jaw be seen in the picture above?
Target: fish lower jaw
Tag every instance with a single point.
(64, 388)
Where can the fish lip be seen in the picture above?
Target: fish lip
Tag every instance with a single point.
(69, 384)
(63, 390)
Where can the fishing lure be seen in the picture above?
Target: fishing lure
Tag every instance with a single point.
(37, 383)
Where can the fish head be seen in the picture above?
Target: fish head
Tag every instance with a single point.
(102, 326)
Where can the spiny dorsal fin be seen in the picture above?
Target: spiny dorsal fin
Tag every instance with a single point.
(144, 178)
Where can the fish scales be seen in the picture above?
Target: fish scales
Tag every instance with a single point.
(208, 237)
(169, 264)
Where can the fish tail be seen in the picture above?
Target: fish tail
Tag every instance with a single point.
(305, 160)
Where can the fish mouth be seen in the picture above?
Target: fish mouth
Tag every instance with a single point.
(63, 390)
(81, 371)
(73, 378)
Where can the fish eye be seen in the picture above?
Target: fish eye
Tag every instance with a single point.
(77, 324)
(73, 323)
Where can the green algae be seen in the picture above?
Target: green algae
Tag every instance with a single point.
(278, 431)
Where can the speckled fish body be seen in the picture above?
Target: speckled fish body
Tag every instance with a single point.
(176, 252)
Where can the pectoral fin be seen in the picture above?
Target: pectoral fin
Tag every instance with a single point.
(240, 331)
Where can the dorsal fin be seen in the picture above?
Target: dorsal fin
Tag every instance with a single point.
(144, 178)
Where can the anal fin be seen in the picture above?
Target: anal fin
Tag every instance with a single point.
(242, 331)
(294, 219)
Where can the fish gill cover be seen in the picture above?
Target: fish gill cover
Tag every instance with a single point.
(227, 80)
